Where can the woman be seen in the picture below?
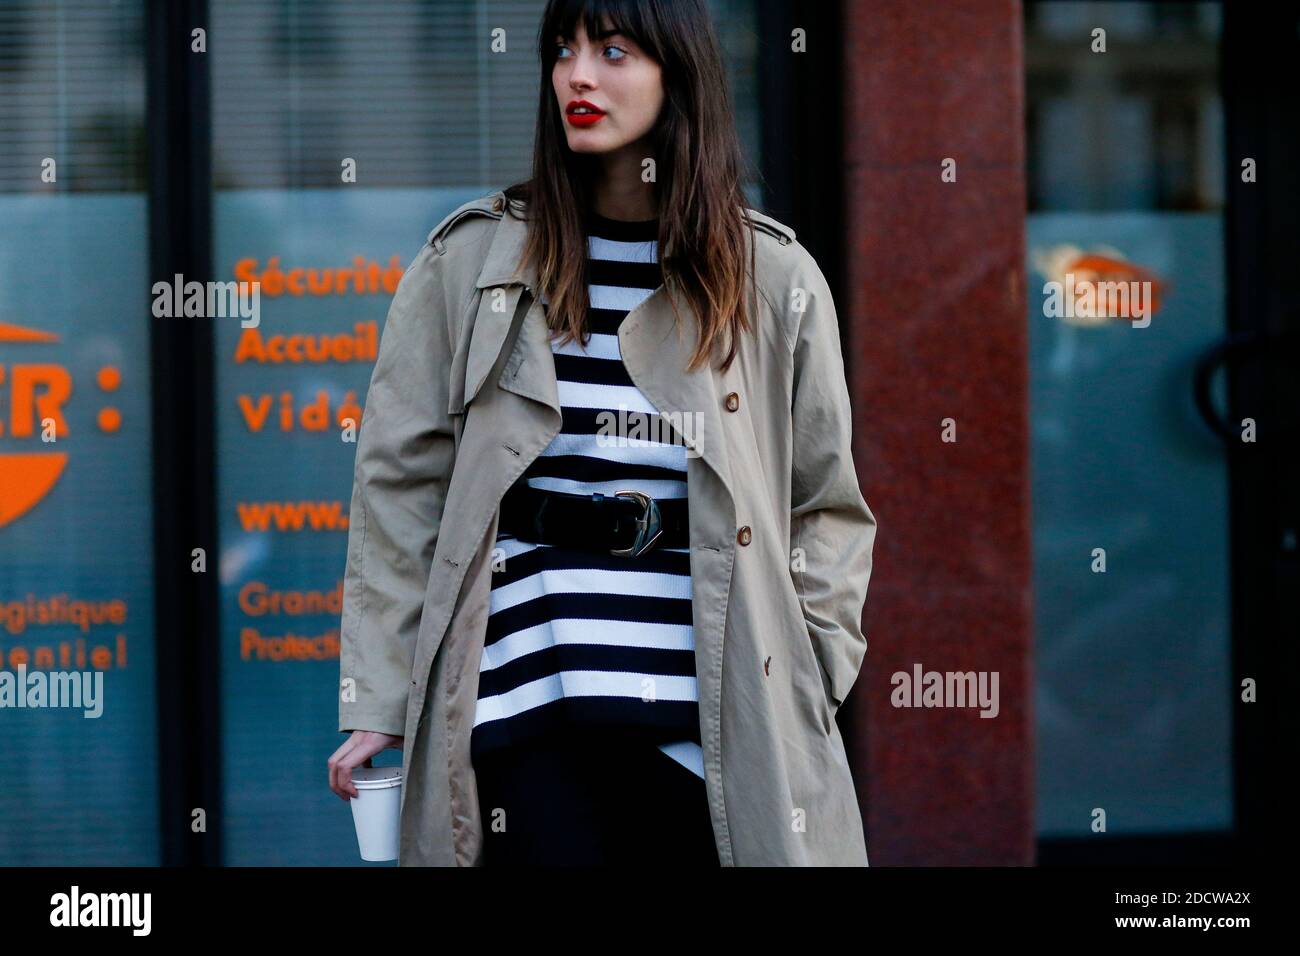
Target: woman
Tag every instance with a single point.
(607, 554)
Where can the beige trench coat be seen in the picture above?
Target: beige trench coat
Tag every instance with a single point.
(463, 398)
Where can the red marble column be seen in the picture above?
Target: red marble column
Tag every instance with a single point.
(937, 330)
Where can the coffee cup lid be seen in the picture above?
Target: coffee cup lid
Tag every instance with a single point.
(376, 778)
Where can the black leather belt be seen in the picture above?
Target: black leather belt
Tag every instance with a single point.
(628, 523)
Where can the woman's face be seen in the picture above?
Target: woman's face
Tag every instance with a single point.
(609, 91)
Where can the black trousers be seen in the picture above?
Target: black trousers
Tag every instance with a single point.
(593, 800)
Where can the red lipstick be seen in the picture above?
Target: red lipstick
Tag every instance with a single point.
(583, 113)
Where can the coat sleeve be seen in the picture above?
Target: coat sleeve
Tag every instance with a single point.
(829, 519)
(404, 456)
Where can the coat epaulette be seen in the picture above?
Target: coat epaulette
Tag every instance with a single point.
(491, 206)
(783, 233)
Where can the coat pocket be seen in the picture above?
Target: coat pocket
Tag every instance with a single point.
(813, 680)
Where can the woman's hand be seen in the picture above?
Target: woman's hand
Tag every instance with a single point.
(356, 752)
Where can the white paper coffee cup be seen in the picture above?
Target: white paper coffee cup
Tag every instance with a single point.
(377, 810)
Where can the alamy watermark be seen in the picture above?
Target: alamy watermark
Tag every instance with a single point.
(41, 689)
(75, 908)
(1082, 297)
(618, 429)
(949, 689)
(208, 300)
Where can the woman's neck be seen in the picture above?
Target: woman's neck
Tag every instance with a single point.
(620, 193)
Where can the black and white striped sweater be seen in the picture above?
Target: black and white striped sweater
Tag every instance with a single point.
(575, 637)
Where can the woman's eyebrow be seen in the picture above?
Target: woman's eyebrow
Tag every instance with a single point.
(602, 35)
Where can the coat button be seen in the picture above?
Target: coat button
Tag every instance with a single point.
(733, 401)
(745, 535)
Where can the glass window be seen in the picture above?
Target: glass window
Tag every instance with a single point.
(76, 539)
(1130, 491)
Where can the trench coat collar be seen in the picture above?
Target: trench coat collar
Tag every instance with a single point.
(654, 348)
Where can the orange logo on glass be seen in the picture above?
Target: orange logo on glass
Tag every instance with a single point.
(36, 393)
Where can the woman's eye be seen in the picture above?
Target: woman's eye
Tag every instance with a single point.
(562, 52)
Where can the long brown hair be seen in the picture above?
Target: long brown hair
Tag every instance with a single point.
(698, 166)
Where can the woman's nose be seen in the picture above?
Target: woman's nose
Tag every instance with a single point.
(583, 77)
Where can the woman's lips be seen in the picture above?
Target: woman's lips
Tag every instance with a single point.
(582, 120)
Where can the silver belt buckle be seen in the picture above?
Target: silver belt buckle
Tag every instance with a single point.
(648, 527)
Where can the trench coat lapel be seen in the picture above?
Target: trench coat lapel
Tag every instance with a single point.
(654, 350)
